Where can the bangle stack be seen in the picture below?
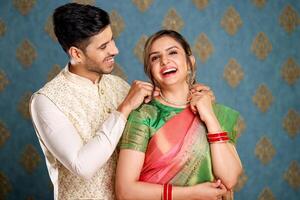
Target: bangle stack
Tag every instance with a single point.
(217, 137)
(167, 192)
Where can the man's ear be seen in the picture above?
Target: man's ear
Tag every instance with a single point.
(76, 55)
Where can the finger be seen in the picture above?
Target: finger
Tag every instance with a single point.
(222, 187)
(146, 83)
(156, 91)
(216, 184)
(200, 86)
(193, 108)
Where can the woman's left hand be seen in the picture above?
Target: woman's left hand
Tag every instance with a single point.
(201, 102)
(199, 87)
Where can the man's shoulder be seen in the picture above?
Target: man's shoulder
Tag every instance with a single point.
(116, 82)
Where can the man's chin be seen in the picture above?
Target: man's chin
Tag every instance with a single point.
(109, 69)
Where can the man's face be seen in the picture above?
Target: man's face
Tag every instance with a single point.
(99, 54)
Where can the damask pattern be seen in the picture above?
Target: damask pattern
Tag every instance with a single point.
(246, 51)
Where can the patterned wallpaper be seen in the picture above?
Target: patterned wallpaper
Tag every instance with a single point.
(247, 51)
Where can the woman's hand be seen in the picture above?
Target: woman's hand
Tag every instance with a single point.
(209, 191)
(198, 87)
(201, 102)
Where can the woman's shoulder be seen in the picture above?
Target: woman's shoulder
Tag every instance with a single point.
(145, 111)
(221, 109)
(228, 119)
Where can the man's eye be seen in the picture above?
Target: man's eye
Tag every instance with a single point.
(102, 47)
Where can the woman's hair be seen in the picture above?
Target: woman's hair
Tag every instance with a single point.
(184, 44)
(75, 23)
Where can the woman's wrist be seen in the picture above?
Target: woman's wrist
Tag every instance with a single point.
(212, 124)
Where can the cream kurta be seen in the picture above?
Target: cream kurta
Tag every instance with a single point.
(78, 129)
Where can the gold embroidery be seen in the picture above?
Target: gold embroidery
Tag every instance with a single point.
(201, 4)
(261, 46)
(142, 5)
(23, 106)
(292, 175)
(4, 134)
(2, 28)
(49, 28)
(266, 194)
(259, 3)
(289, 19)
(264, 150)
(117, 23)
(24, 6)
(173, 21)
(290, 71)
(231, 21)
(291, 123)
(89, 2)
(30, 158)
(26, 54)
(5, 186)
(3, 80)
(139, 48)
(241, 182)
(233, 73)
(241, 126)
(263, 98)
(203, 47)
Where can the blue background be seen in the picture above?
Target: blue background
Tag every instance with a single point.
(17, 182)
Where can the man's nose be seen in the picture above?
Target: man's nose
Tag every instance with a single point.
(113, 50)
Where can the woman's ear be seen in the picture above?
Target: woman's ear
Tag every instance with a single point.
(76, 55)
(193, 60)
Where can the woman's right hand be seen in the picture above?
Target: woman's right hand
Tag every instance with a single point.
(209, 191)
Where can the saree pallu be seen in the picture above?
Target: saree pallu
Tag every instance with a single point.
(179, 153)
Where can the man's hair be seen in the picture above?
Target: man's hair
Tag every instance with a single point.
(75, 23)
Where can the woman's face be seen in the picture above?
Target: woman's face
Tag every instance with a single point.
(168, 62)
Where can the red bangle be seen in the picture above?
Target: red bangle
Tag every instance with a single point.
(213, 135)
(167, 191)
(217, 139)
(170, 192)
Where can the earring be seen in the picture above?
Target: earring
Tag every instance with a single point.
(73, 62)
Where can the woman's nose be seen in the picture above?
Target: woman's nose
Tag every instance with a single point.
(163, 60)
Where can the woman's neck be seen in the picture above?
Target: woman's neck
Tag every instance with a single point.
(176, 95)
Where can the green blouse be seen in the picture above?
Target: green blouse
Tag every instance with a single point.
(143, 123)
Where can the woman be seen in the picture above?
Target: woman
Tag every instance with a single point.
(178, 139)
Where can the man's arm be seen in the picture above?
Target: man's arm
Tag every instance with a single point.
(61, 138)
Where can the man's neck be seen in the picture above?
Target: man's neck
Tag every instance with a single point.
(80, 71)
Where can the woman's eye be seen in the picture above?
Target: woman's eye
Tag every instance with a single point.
(173, 52)
(154, 58)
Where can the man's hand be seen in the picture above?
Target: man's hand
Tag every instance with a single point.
(139, 92)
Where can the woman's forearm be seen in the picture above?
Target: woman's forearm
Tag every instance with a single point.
(226, 163)
(148, 191)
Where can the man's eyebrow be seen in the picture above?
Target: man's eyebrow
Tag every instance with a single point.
(105, 43)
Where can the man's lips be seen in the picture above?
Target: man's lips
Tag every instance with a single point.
(109, 60)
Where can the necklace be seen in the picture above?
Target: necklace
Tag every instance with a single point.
(172, 102)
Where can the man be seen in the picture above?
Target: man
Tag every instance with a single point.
(79, 116)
